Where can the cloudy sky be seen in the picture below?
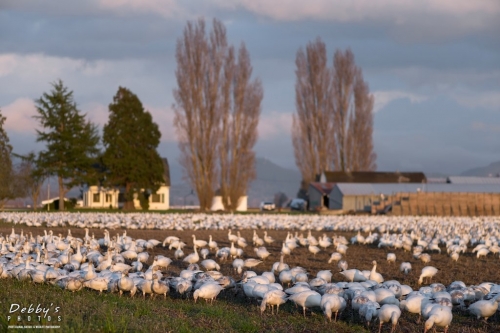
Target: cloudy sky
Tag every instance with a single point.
(433, 67)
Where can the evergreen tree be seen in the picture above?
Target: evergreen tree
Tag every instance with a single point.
(6, 168)
(130, 139)
(71, 140)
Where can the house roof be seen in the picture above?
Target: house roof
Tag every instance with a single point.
(373, 177)
(391, 188)
(324, 188)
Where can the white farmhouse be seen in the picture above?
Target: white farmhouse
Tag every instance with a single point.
(102, 197)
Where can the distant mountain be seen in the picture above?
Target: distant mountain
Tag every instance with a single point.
(492, 170)
(270, 179)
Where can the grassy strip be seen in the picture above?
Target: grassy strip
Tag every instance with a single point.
(87, 311)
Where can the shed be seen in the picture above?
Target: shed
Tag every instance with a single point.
(319, 195)
(361, 196)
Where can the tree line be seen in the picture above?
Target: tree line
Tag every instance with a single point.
(217, 109)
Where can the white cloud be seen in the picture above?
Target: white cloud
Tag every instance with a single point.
(383, 98)
(275, 125)
(19, 116)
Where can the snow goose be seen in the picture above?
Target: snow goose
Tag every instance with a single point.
(231, 237)
(97, 283)
(212, 245)
(405, 267)
(238, 265)
(354, 275)
(427, 272)
(268, 239)
(262, 252)
(242, 243)
(252, 262)
(314, 249)
(374, 275)
(210, 265)
(369, 311)
(208, 291)
(440, 316)
(335, 257)
(484, 308)
(391, 257)
(389, 313)
(332, 303)
(306, 299)
(325, 275)
(198, 242)
(204, 253)
(342, 265)
(272, 298)
(126, 284)
(178, 253)
(285, 250)
(193, 258)
(159, 287)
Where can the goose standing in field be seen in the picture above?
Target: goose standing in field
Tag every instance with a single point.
(374, 275)
(427, 272)
(262, 252)
(484, 308)
(212, 245)
(405, 267)
(251, 262)
(231, 237)
(208, 291)
(354, 275)
(204, 253)
(335, 257)
(306, 299)
(285, 250)
(210, 265)
(313, 249)
(332, 303)
(126, 284)
(198, 242)
(178, 253)
(440, 316)
(268, 239)
(159, 287)
(389, 313)
(238, 265)
(342, 265)
(193, 258)
(391, 257)
(272, 298)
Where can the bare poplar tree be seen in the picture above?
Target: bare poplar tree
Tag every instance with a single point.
(239, 128)
(353, 117)
(312, 129)
(216, 113)
(333, 127)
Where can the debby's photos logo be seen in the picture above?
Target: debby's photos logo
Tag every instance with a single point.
(36, 314)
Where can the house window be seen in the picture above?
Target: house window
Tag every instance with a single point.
(156, 198)
(97, 197)
(108, 198)
(162, 198)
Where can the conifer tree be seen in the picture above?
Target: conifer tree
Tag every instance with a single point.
(71, 140)
(130, 139)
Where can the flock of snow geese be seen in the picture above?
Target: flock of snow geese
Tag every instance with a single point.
(119, 263)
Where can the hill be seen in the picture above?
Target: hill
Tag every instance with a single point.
(491, 170)
(270, 179)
